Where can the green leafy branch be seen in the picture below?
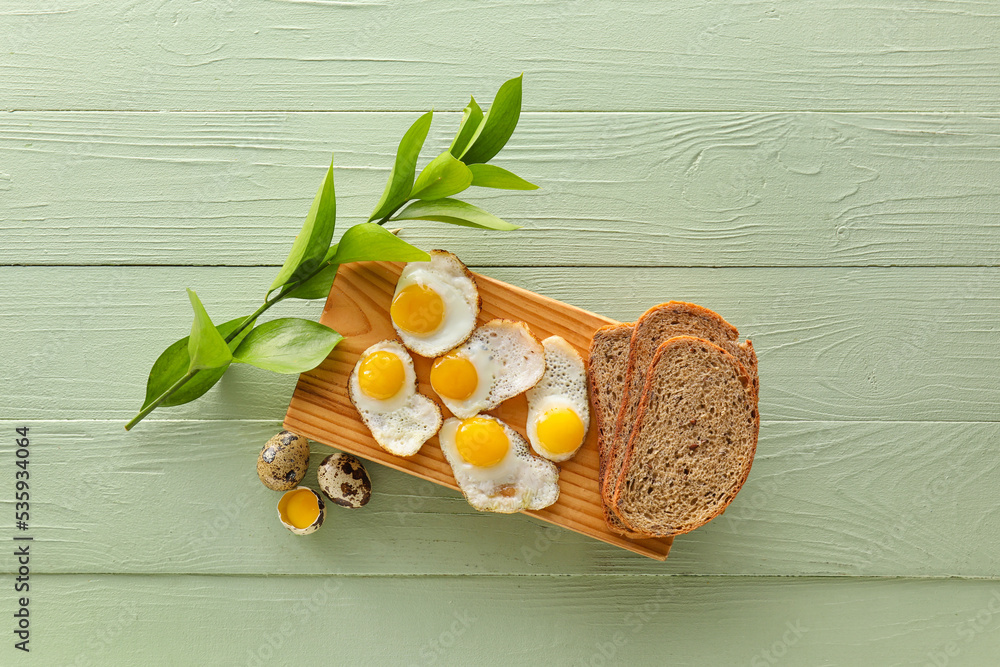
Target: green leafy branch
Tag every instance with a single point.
(194, 364)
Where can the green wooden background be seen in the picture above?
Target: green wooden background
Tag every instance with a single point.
(823, 174)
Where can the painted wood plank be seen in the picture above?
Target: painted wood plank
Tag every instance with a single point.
(678, 189)
(590, 55)
(169, 620)
(912, 499)
(834, 343)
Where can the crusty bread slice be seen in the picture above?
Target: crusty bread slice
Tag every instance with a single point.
(608, 363)
(693, 442)
(657, 325)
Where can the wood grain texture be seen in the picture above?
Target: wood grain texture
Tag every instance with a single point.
(915, 499)
(321, 408)
(585, 54)
(834, 343)
(250, 621)
(645, 189)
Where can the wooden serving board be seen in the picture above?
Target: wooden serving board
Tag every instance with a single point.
(358, 307)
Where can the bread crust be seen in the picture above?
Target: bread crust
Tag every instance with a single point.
(744, 377)
(725, 333)
(611, 334)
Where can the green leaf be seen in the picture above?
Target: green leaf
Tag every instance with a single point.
(491, 176)
(313, 241)
(453, 212)
(370, 242)
(472, 121)
(397, 189)
(501, 119)
(317, 287)
(206, 346)
(287, 345)
(361, 243)
(174, 362)
(443, 177)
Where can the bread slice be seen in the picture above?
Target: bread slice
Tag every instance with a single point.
(657, 325)
(694, 439)
(608, 363)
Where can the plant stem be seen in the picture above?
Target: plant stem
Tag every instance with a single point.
(190, 374)
(391, 213)
(152, 406)
(253, 317)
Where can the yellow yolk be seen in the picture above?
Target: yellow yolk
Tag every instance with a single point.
(417, 309)
(454, 376)
(301, 509)
(381, 375)
(481, 442)
(560, 430)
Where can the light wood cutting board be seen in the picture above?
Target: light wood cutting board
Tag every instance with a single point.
(358, 308)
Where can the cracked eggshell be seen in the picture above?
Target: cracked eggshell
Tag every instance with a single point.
(344, 480)
(283, 461)
(283, 516)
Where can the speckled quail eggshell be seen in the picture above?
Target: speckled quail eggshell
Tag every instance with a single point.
(314, 526)
(509, 359)
(564, 385)
(454, 283)
(283, 461)
(345, 481)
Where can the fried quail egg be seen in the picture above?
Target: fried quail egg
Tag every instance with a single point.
(301, 510)
(344, 481)
(494, 468)
(383, 388)
(499, 361)
(283, 461)
(558, 410)
(435, 305)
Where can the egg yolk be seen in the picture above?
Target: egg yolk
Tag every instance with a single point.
(559, 430)
(454, 376)
(301, 508)
(381, 375)
(481, 442)
(417, 309)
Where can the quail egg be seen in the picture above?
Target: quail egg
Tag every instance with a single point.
(345, 481)
(283, 461)
(301, 510)
(435, 304)
(494, 468)
(500, 360)
(558, 412)
(383, 388)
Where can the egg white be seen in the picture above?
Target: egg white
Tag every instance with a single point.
(508, 359)
(403, 423)
(451, 280)
(564, 385)
(535, 482)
